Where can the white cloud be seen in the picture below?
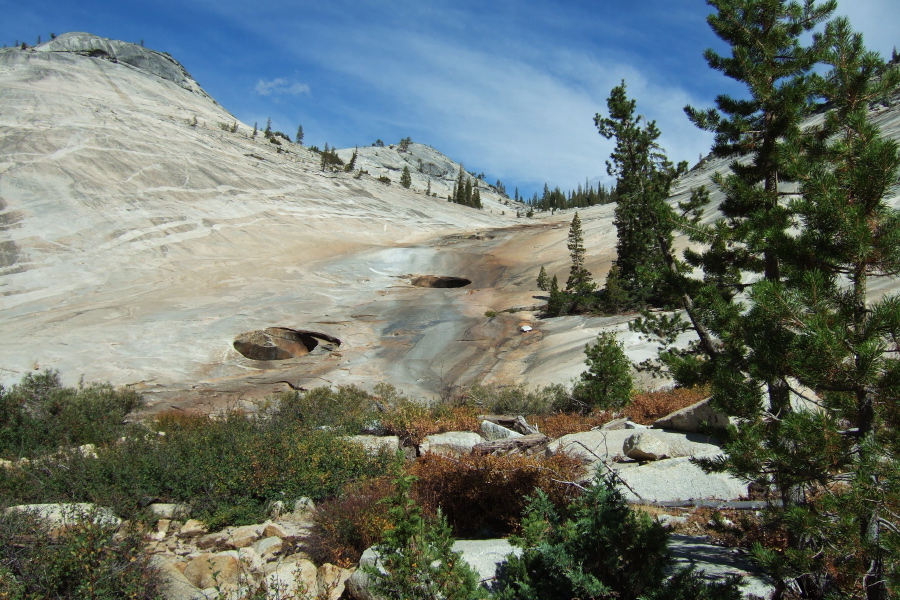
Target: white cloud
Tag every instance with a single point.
(281, 86)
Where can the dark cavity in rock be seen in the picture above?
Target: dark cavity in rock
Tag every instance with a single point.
(282, 343)
(439, 281)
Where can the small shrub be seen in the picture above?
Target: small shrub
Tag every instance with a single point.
(596, 547)
(350, 522)
(384, 179)
(417, 559)
(485, 495)
(559, 424)
(647, 407)
(347, 408)
(230, 469)
(412, 421)
(607, 383)
(39, 415)
(88, 559)
(518, 399)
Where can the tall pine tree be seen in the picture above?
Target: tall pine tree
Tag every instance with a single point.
(643, 220)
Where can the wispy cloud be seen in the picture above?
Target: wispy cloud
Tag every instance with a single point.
(510, 90)
(281, 86)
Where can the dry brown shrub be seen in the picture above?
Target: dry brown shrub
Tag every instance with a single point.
(735, 528)
(560, 424)
(350, 523)
(412, 421)
(485, 495)
(179, 420)
(647, 407)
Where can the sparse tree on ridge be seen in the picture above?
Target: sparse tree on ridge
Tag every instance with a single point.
(405, 178)
(299, 138)
(352, 164)
(459, 194)
(580, 279)
(543, 281)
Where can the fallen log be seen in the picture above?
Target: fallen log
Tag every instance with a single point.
(527, 444)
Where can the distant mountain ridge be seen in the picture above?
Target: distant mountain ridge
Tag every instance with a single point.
(156, 63)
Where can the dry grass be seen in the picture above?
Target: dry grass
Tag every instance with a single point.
(560, 424)
(646, 407)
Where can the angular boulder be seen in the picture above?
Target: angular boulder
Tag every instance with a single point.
(452, 443)
(373, 444)
(691, 418)
(212, 570)
(656, 445)
(492, 431)
(292, 579)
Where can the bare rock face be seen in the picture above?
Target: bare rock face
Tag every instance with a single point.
(149, 61)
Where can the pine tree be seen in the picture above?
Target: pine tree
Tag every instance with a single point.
(643, 220)
(428, 187)
(255, 130)
(299, 137)
(559, 301)
(416, 558)
(352, 164)
(543, 282)
(598, 548)
(405, 178)
(768, 58)
(580, 279)
(460, 189)
(476, 198)
(808, 253)
(607, 383)
(467, 199)
(268, 131)
(843, 341)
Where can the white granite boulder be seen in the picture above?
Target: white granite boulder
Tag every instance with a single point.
(452, 443)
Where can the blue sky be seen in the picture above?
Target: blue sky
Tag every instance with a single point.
(508, 87)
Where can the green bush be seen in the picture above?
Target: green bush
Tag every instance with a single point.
(416, 559)
(519, 399)
(607, 383)
(348, 408)
(87, 559)
(39, 415)
(596, 547)
(230, 469)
